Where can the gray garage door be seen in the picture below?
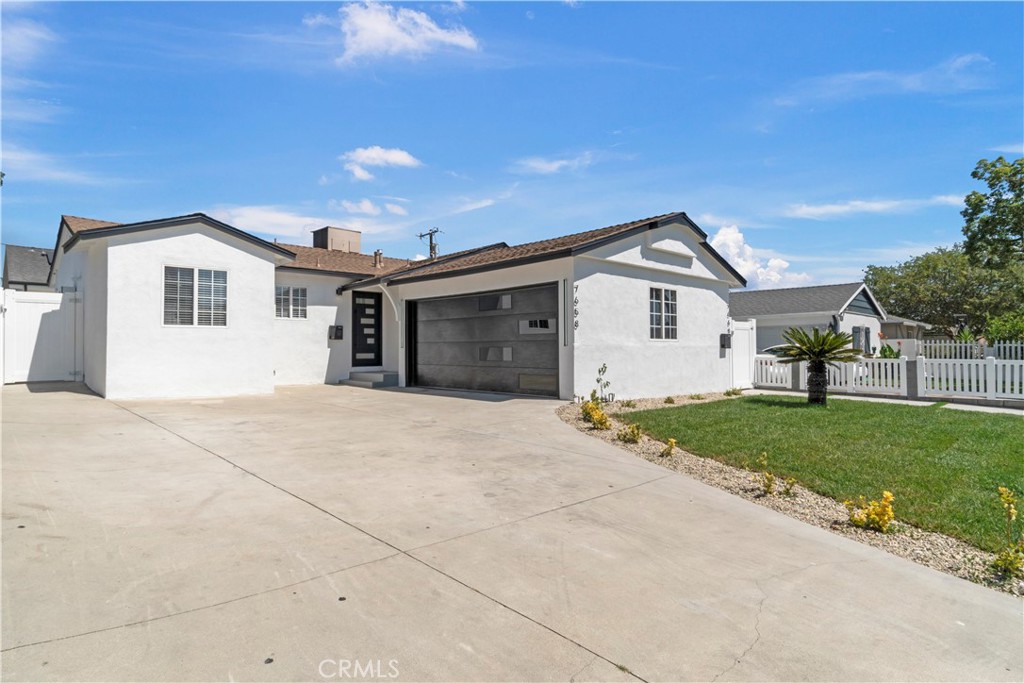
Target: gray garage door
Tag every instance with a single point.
(496, 341)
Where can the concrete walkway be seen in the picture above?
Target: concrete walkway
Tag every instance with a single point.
(970, 407)
(340, 533)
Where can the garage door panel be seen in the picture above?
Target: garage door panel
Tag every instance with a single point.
(506, 380)
(529, 354)
(475, 306)
(491, 328)
(495, 341)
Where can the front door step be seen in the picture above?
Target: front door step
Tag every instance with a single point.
(371, 380)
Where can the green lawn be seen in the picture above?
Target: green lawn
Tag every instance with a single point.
(942, 465)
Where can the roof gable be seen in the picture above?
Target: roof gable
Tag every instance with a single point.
(501, 255)
(831, 299)
(85, 228)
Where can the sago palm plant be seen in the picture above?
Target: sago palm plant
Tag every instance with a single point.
(819, 349)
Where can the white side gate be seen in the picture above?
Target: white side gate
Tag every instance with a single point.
(744, 346)
(42, 336)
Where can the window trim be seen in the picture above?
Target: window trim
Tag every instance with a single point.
(195, 296)
(291, 302)
(662, 330)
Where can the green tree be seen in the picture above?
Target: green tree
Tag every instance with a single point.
(936, 286)
(994, 221)
(819, 349)
(1009, 326)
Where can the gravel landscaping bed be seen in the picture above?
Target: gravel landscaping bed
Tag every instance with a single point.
(924, 547)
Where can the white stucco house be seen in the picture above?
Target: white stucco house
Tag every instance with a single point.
(848, 307)
(192, 307)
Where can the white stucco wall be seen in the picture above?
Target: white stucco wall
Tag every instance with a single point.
(613, 292)
(555, 271)
(147, 359)
(303, 354)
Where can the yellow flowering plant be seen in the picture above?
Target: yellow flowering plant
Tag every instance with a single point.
(1010, 560)
(669, 447)
(875, 514)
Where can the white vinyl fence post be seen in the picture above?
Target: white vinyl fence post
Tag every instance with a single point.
(990, 377)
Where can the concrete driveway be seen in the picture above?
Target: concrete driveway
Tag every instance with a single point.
(336, 533)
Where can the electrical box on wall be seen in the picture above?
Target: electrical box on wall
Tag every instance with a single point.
(336, 332)
(725, 341)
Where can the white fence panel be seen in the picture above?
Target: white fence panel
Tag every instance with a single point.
(954, 376)
(744, 345)
(1009, 380)
(950, 348)
(867, 376)
(769, 372)
(1008, 350)
(39, 336)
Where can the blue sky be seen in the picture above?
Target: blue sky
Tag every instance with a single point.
(809, 139)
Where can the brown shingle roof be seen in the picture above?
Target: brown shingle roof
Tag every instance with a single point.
(506, 255)
(315, 258)
(77, 224)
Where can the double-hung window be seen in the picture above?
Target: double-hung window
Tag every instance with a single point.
(195, 296)
(663, 313)
(290, 302)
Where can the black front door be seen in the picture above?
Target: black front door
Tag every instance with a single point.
(366, 329)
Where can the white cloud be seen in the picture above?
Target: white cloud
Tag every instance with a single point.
(285, 221)
(854, 206)
(25, 41)
(958, 74)
(419, 257)
(373, 30)
(364, 206)
(269, 220)
(545, 166)
(396, 209)
(473, 205)
(23, 164)
(358, 159)
(760, 273)
(1010, 149)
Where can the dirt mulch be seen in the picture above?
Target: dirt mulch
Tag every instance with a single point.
(931, 549)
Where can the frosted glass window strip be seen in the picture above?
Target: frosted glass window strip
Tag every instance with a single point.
(365, 356)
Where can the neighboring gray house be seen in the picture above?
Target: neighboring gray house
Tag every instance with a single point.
(27, 268)
(894, 327)
(849, 307)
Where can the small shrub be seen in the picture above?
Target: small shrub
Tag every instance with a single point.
(767, 477)
(1010, 560)
(628, 404)
(602, 383)
(787, 489)
(594, 398)
(669, 447)
(593, 414)
(875, 514)
(669, 399)
(733, 392)
(630, 434)
(696, 397)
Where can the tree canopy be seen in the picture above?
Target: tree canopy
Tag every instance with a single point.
(994, 221)
(936, 286)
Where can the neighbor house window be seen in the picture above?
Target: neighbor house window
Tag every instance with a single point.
(290, 302)
(663, 313)
(195, 300)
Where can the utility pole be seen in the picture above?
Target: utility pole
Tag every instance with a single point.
(429, 234)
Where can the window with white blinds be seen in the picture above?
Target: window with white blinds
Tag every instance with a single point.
(192, 300)
(290, 302)
(213, 298)
(179, 295)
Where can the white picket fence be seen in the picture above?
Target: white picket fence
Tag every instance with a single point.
(991, 378)
(769, 372)
(868, 376)
(952, 349)
(988, 378)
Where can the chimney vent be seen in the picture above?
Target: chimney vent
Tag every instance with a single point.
(337, 239)
(378, 259)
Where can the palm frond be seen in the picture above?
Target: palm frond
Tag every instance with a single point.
(827, 347)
